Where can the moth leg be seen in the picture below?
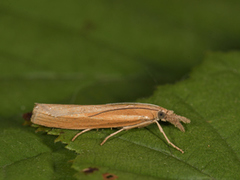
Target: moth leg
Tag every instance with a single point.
(78, 134)
(143, 124)
(111, 135)
(169, 142)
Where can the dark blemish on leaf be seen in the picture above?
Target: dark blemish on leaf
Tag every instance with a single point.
(27, 116)
(108, 176)
(88, 26)
(89, 170)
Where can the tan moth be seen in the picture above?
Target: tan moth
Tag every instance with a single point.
(117, 115)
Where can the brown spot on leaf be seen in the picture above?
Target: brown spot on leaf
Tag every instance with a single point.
(89, 170)
(27, 118)
(88, 26)
(108, 176)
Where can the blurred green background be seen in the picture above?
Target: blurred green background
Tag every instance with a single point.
(100, 51)
(91, 52)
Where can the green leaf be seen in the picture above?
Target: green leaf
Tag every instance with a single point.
(210, 99)
(92, 52)
(24, 155)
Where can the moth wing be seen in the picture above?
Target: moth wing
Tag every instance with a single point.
(92, 116)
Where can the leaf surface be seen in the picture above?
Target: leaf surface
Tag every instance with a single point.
(97, 52)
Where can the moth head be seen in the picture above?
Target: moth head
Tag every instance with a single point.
(161, 115)
(172, 118)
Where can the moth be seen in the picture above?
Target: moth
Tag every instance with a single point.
(116, 115)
